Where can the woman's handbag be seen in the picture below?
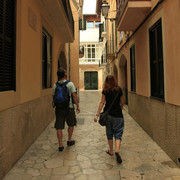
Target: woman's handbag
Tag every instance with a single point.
(104, 115)
(103, 118)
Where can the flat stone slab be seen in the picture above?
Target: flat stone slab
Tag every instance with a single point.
(87, 159)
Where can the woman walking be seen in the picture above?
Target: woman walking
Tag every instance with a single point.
(115, 122)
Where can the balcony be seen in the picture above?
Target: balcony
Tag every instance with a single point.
(89, 61)
(131, 13)
(60, 14)
(69, 14)
(110, 49)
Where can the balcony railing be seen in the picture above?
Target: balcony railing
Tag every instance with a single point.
(121, 5)
(89, 61)
(68, 11)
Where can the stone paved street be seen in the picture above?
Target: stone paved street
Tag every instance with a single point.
(142, 158)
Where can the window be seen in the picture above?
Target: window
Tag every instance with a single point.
(120, 36)
(97, 24)
(133, 68)
(91, 52)
(156, 61)
(46, 59)
(82, 24)
(7, 45)
(90, 24)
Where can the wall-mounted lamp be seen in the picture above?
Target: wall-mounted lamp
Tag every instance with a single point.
(105, 8)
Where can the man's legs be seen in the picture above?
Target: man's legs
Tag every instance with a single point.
(70, 132)
(70, 142)
(71, 122)
(59, 136)
(59, 125)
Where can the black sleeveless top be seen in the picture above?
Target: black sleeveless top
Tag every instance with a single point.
(115, 110)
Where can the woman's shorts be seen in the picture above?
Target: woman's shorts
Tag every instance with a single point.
(114, 127)
(63, 115)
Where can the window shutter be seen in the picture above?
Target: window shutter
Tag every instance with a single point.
(7, 45)
(100, 32)
(82, 26)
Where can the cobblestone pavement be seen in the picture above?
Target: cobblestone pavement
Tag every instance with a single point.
(142, 158)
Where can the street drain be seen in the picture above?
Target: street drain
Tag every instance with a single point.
(80, 121)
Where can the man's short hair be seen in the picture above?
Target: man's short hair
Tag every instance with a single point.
(61, 73)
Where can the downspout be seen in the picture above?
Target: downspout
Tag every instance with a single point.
(69, 45)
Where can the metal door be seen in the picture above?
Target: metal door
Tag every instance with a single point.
(91, 80)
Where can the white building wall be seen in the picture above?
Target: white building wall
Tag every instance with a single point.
(89, 35)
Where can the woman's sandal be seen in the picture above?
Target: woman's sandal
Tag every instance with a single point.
(61, 148)
(109, 153)
(118, 158)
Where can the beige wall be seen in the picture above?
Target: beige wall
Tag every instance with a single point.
(75, 49)
(25, 113)
(171, 50)
(158, 118)
(168, 12)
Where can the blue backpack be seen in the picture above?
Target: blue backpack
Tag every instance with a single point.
(61, 96)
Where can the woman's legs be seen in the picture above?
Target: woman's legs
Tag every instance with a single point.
(117, 145)
(118, 127)
(109, 134)
(110, 142)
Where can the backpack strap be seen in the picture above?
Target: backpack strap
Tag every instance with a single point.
(66, 82)
(60, 84)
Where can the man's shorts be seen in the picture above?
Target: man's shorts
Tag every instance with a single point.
(63, 115)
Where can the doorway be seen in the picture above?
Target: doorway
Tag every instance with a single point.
(123, 77)
(91, 80)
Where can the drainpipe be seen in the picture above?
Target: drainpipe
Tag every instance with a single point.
(69, 61)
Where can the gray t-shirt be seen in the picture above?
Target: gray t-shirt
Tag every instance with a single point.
(70, 87)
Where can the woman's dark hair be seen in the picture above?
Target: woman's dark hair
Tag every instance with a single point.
(61, 73)
(110, 83)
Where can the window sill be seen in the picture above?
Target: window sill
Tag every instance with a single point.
(133, 92)
(156, 98)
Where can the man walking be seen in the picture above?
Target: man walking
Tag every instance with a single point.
(64, 110)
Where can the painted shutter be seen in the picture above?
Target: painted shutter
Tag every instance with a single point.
(82, 26)
(7, 45)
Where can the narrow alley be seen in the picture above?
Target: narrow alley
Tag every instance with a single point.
(142, 158)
